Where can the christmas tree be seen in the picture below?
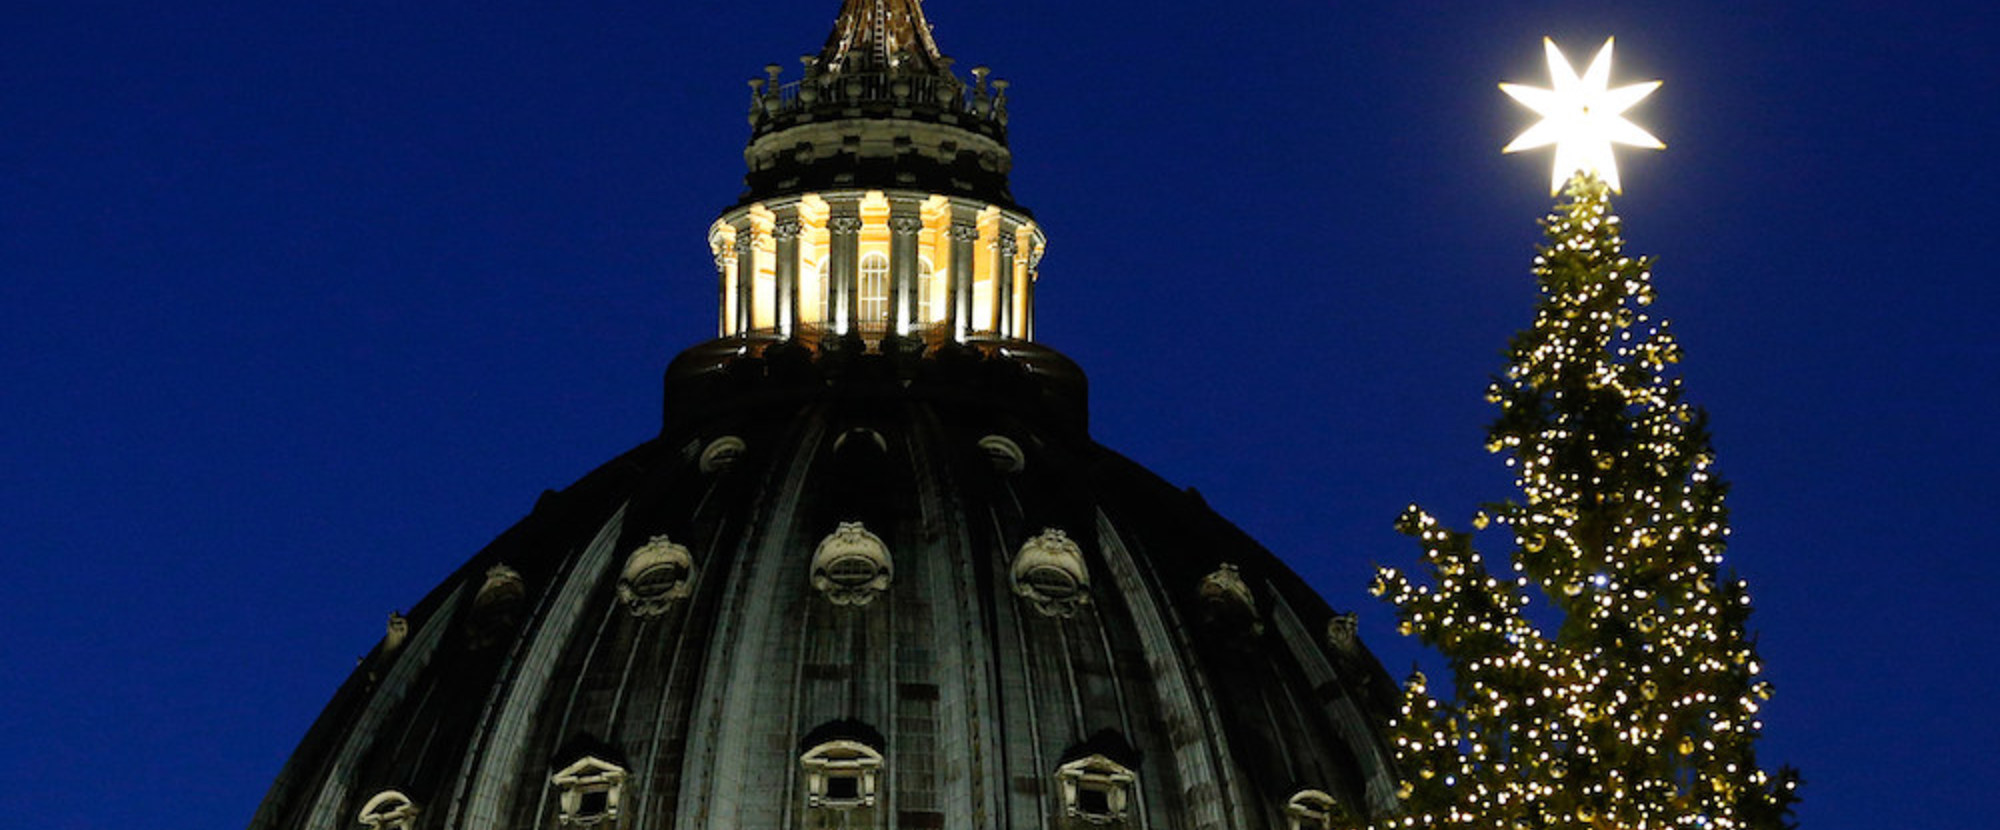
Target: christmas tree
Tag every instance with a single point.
(1602, 675)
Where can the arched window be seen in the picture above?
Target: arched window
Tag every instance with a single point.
(824, 292)
(924, 278)
(874, 293)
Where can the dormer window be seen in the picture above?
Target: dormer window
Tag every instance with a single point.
(1342, 632)
(1227, 601)
(1050, 574)
(503, 586)
(721, 454)
(389, 810)
(497, 608)
(1095, 790)
(1005, 455)
(398, 632)
(656, 575)
(592, 794)
(1311, 810)
(851, 565)
(841, 775)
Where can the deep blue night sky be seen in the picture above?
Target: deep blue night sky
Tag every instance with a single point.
(301, 304)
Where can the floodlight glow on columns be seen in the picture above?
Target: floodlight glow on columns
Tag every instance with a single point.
(1582, 116)
(876, 262)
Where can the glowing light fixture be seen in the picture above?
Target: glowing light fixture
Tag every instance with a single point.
(1582, 116)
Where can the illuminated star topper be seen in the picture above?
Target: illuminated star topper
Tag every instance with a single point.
(1582, 116)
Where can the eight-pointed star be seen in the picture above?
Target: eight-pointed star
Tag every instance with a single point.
(1582, 117)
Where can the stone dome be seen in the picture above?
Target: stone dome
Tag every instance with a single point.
(872, 572)
(917, 558)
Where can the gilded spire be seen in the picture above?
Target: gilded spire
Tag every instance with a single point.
(878, 35)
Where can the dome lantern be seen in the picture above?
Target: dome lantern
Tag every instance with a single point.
(876, 199)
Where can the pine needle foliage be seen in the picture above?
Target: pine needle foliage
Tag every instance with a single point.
(1602, 675)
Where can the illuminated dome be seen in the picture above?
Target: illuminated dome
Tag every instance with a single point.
(869, 574)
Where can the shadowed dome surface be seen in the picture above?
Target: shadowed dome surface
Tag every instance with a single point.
(873, 572)
(973, 683)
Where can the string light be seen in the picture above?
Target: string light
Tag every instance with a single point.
(1640, 707)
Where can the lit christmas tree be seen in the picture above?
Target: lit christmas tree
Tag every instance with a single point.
(1632, 700)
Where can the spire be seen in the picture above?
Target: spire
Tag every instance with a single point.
(878, 107)
(878, 35)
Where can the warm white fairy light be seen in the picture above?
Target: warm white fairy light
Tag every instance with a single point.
(1582, 116)
(1641, 709)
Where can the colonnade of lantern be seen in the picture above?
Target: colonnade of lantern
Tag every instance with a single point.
(876, 262)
